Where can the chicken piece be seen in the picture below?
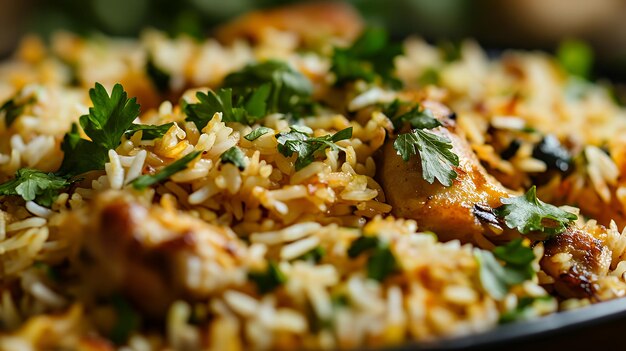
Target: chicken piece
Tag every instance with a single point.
(461, 211)
(313, 23)
(156, 256)
(575, 259)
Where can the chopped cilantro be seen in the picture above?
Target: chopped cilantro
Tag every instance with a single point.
(369, 57)
(13, 108)
(576, 57)
(257, 133)
(107, 121)
(34, 185)
(290, 91)
(245, 109)
(235, 156)
(430, 76)
(523, 310)
(148, 131)
(268, 280)
(496, 278)
(418, 117)
(159, 77)
(527, 214)
(381, 261)
(127, 319)
(316, 254)
(438, 160)
(147, 180)
(298, 140)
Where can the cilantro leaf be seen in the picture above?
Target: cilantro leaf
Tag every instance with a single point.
(13, 108)
(298, 140)
(527, 214)
(523, 310)
(316, 254)
(110, 117)
(235, 156)
(438, 160)
(369, 57)
(418, 117)
(268, 280)
(34, 185)
(381, 261)
(576, 57)
(290, 90)
(496, 278)
(127, 320)
(147, 180)
(159, 77)
(257, 133)
(81, 155)
(245, 109)
(149, 131)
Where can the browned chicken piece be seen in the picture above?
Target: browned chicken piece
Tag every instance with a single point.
(461, 211)
(575, 259)
(313, 22)
(156, 255)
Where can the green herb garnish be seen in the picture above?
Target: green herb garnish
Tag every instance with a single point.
(381, 261)
(127, 320)
(438, 160)
(316, 254)
(235, 156)
(369, 57)
(13, 108)
(34, 185)
(417, 117)
(257, 133)
(523, 310)
(496, 278)
(298, 140)
(147, 180)
(527, 214)
(576, 57)
(149, 131)
(268, 280)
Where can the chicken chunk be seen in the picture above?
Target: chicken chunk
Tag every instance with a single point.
(156, 256)
(311, 22)
(575, 259)
(461, 211)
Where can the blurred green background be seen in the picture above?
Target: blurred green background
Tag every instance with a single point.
(496, 24)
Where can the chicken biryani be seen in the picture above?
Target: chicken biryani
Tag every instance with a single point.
(298, 180)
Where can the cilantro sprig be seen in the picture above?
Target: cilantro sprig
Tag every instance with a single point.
(369, 57)
(149, 131)
(381, 261)
(436, 156)
(34, 185)
(268, 280)
(497, 278)
(299, 140)
(235, 156)
(527, 214)
(13, 108)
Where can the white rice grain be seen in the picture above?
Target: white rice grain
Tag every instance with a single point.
(38, 210)
(114, 171)
(298, 248)
(291, 233)
(32, 222)
(136, 166)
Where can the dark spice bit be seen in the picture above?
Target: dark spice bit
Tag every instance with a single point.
(452, 116)
(511, 150)
(485, 214)
(550, 151)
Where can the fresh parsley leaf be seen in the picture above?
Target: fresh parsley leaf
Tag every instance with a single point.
(290, 91)
(269, 280)
(430, 76)
(316, 254)
(576, 57)
(438, 160)
(34, 185)
(418, 117)
(523, 310)
(159, 77)
(147, 180)
(381, 261)
(369, 57)
(127, 319)
(527, 214)
(245, 109)
(13, 108)
(298, 140)
(235, 156)
(257, 133)
(149, 131)
(110, 117)
(496, 278)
